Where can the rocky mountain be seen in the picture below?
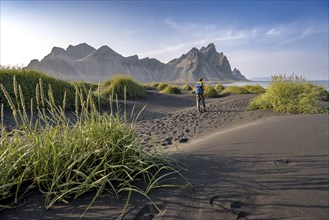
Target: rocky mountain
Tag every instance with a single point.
(83, 62)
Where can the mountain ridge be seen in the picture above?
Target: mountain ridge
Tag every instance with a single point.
(83, 62)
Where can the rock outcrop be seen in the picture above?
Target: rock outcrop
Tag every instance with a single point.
(83, 62)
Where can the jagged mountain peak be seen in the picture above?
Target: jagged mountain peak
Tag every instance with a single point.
(79, 51)
(106, 51)
(83, 62)
(193, 53)
(210, 46)
(210, 50)
(82, 45)
(57, 50)
(58, 53)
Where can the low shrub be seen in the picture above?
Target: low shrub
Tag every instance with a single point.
(171, 90)
(219, 88)
(122, 85)
(254, 88)
(186, 87)
(291, 94)
(161, 86)
(234, 90)
(153, 84)
(210, 92)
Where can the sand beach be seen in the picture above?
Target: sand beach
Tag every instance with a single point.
(240, 164)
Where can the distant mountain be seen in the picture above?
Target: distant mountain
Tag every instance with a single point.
(206, 63)
(83, 62)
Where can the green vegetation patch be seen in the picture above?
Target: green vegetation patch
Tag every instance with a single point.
(210, 92)
(171, 90)
(219, 88)
(161, 86)
(122, 85)
(234, 90)
(153, 84)
(67, 157)
(27, 80)
(291, 94)
(254, 88)
(186, 87)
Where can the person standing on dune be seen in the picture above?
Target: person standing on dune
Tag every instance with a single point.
(199, 91)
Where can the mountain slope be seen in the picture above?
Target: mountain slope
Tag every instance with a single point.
(83, 62)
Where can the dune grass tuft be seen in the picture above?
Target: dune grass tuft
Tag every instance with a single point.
(219, 88)
(65, 157)
(291, 94)
(119, 83)
(187, 87)
(210, 92)
(254, 88)
(153, 84)
(171, 90)
(162, 86)
(28, 79)
(234, 90)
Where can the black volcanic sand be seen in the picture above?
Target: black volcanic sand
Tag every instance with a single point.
(241, 164)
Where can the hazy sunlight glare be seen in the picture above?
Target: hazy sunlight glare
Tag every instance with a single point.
(18, 42)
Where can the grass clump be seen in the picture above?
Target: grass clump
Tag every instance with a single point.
(28, 79)
(122, 85)
(171, 90)
(66, 157)
(153, 84)
(219, 88)
(210, 92)
(291, 94)
(161, 86)
(187, 87)
(234, 90)
(254, 88)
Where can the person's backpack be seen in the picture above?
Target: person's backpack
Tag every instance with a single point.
(198, 89)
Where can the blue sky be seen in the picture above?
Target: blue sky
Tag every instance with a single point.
(260, 38)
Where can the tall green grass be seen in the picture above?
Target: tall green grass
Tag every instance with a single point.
(162, 86)
(291, 94)
(187, 87)
(153, 84)
(210, 92)
(219, 88)
(28, 79)
(65, 157)
(171, 90)
(254, 88)
(234, 90)
(242, 89)
(122, 85)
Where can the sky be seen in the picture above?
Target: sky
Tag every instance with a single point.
(260, 38)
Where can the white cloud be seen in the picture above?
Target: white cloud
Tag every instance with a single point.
(273, 31)
(182, 27)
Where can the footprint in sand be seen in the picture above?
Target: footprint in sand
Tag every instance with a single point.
(283, 163)
(239, 206)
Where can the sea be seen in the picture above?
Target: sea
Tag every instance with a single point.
(265, 84)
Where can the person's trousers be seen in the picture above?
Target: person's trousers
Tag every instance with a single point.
(199, 99)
